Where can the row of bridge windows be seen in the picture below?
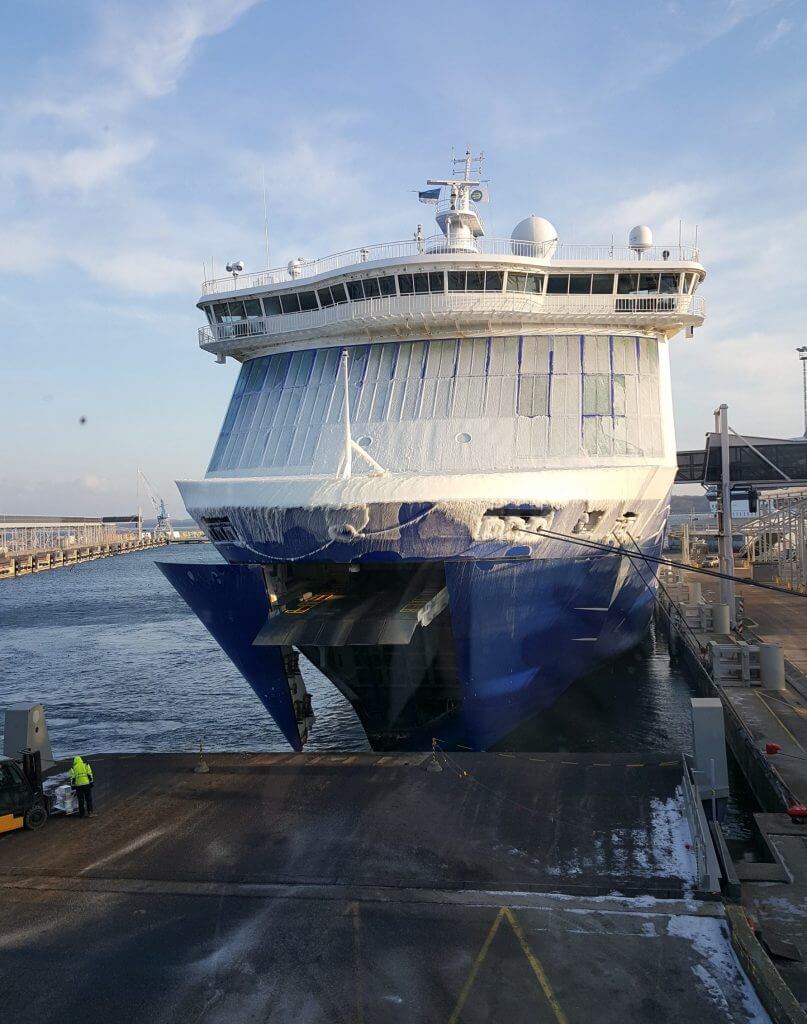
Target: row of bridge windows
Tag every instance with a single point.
(508, 281)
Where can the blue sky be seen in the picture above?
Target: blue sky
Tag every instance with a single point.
(132, 137)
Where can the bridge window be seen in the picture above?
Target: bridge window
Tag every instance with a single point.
(648, 284)
(253, 307)
(558, 284)
(494, 280)
(602, 284)
(387, 285)
(290, 303)
(518, 282)
(406, 284)
(627, 284)
(580, 284)
(271, 305)
(333, 295)
(669, 284)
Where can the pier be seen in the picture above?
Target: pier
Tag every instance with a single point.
(31, 544)
(367, 888)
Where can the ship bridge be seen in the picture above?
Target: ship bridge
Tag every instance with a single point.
(459, 283)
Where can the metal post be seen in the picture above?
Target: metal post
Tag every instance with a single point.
(802, 351)
(347, 461)
(724, 526)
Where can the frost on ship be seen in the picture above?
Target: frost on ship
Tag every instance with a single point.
(433, 460)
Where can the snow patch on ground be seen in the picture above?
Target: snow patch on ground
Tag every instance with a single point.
(718, 970)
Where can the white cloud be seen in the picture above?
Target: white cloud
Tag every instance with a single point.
(82, 168)
(779, 30)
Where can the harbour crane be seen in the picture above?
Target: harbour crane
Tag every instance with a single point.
(163, 527)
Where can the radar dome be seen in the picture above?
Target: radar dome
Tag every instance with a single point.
(640, 238)
(534, 229)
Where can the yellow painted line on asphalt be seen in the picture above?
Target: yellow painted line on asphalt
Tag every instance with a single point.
(765, 704)
(532, 960)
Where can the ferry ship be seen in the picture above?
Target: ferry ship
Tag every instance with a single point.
(436, 456)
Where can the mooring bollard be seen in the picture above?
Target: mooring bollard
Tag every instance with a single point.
(772, 667)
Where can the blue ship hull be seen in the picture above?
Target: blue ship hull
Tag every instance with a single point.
(517, 631)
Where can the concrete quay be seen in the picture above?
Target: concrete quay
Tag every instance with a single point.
(366, 888)
(772, 880)
(13, 565)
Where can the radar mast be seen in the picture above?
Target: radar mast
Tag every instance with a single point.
(456, 217)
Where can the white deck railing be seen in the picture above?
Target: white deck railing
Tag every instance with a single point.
(466, 304)
(437, 244)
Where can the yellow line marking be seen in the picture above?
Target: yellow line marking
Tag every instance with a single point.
(667, 764)
(778, 719)
(532, 960)
(539, 760)
(639, 765)
(601, 764)
(353, 910)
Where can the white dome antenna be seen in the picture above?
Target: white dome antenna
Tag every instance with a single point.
(640, 239)
(536, 232)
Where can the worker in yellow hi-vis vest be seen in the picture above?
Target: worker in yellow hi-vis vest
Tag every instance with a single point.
(82, 782)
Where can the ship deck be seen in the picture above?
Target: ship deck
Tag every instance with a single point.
(364, 888)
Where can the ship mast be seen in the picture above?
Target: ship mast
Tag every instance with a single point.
(457, 219)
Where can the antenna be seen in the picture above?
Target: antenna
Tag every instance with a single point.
(265, 216)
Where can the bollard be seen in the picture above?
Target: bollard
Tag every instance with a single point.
(772, 667)
(721, 622)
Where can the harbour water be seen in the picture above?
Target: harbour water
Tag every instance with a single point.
(122, 664)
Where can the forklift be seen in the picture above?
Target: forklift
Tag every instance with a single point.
(23, 803)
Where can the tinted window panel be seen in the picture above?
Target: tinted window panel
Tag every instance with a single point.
(648, 284)
(580, 284)
(493, 280)
(339, 293)
(290, 303)
(271, 305)
(602, 284)
(253, 307)
(209, 314)
(236, 310)
(219, 312)
(371, 288)
(669, 284)
(558, 284)
(475, 281)
(456, 280)
(308, 300)
(515, 281)
(437, 282)
(627, 283)
(355, 290)
(324, 295)
(535, 283)
(421, 283)
(406, 285)
(387, 285)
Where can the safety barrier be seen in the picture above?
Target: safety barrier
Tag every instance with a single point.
(742, 664)
(708, 866)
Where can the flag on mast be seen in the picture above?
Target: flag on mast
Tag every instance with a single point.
(431, 195)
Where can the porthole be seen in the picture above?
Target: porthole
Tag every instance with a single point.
(463, 438)
(364, 442)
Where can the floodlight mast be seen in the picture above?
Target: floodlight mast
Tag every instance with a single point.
(802, 351)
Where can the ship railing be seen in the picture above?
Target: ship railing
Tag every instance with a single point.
(465, 304)
(439, 244)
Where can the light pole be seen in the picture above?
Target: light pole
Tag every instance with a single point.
(802, 351)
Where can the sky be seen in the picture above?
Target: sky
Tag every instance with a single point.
(134, 135)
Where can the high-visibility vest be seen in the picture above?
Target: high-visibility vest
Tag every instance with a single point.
(80, 773)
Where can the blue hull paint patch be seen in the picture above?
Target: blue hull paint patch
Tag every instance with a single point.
(230, 600)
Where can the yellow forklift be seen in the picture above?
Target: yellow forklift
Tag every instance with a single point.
(23, 803)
